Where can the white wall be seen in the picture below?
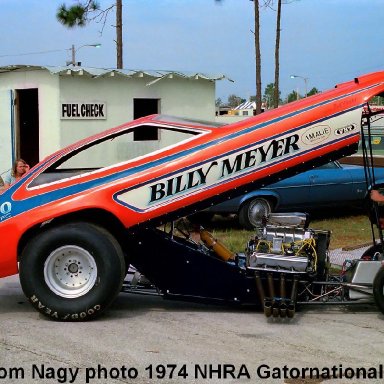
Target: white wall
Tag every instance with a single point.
(229, 119)
(49, 124)
(178, 97)
(191, 98)
(5, 131)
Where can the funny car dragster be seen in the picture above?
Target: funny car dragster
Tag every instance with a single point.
(75, 223)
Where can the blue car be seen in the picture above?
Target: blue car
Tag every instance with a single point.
(333, 184)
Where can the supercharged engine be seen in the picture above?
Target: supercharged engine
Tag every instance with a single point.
(283, 251)
(284, 243)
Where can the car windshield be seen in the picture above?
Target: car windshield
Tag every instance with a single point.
(133, 143)
(180, 120)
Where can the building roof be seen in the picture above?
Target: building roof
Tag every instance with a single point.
(152, 75)
(247, 105)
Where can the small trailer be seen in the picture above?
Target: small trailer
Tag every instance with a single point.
(77, 220)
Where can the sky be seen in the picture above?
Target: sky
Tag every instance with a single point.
(325, 41)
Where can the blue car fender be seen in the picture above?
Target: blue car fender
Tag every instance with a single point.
(268, 194)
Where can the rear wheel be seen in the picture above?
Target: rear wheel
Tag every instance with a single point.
(373, 252)
(253, 211)
(378, 289)
(72, 272)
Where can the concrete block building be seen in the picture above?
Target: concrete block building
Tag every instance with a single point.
(43, 109)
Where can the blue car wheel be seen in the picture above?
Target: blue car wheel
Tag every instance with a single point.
(252, 212)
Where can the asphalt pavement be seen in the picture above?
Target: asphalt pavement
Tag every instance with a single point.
(146, 339)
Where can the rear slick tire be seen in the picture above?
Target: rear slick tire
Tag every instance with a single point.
(378, 289)
(72, 272)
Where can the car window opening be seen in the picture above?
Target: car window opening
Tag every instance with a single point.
(125, 146)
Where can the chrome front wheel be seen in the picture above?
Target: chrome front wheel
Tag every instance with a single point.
(70, 271)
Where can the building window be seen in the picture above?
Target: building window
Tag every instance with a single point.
(146, 133)
(145, 107)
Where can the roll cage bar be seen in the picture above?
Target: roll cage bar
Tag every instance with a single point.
(369, 169)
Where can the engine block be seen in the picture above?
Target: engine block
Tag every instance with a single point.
(284, 244)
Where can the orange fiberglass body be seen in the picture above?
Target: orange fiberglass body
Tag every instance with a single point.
(208, 164)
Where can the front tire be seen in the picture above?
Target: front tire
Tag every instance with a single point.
(253, 211)
(72, 272)
(378, 289)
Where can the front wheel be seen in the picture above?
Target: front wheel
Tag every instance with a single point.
(253, 211)
(72, 272)
(378, 289)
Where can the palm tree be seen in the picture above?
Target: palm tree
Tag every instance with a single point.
(277, 56)
(257, 54)
(81, 13)
(119, 34)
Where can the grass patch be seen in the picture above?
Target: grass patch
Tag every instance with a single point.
(349, 231)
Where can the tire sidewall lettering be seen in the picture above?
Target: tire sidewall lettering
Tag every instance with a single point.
(73, 316)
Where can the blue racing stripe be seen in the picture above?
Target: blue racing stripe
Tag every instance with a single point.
(19, 207)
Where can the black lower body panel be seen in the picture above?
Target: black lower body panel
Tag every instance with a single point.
(180, 268)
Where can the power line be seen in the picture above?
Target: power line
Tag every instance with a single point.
(34, 53)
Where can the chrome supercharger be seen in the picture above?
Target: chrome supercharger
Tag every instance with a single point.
(291, 266)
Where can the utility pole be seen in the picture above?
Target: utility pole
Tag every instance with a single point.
(73, 55)
(74, 50)
(257, 55)
(119, 34)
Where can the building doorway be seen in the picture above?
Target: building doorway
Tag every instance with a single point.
(27, 125)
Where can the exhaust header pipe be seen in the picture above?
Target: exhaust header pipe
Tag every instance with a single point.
(292, 304)
(283, 305)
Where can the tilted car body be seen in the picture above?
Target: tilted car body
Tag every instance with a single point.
(330, 185)
(80, 217)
